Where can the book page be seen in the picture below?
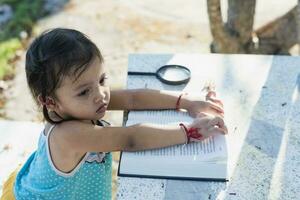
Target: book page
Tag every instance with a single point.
(210, 149)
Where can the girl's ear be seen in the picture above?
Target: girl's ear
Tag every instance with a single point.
(49, 102)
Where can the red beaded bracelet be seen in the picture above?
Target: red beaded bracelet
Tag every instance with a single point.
(191, 133)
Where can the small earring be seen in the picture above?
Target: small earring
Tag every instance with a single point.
(49, 101)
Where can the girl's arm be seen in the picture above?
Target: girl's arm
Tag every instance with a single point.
(79, 137)
(142, 99)
(82, 137)
(145, 99)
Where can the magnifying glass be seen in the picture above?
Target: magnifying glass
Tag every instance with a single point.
(169, 74)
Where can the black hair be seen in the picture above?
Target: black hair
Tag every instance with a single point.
(53, 55)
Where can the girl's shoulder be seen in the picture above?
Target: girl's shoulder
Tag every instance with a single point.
(68, 133)
(62, 154)
(60, 135)
(63, 136)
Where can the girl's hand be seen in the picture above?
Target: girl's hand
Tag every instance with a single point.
(204, 127)
(211, 105)
(196, 105)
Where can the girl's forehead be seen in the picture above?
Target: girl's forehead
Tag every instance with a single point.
(92, 72)
(94, 69)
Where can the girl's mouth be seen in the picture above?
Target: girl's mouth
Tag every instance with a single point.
(101, 109)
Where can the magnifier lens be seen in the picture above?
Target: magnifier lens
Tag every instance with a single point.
(169, 74)
(174, 73)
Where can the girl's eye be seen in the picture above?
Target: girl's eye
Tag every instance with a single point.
(84, 92)
(102, 80)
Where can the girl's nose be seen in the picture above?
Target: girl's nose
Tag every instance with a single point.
(100, 95)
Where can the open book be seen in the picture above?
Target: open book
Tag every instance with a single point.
(206, 160)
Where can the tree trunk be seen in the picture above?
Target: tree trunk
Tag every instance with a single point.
(240, 21)
(223, 40)
(237, 36)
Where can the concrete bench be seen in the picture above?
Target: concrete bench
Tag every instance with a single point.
(261, 96)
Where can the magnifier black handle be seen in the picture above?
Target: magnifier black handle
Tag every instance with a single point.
(142, 73)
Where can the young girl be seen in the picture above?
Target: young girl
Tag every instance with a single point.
(66, 76)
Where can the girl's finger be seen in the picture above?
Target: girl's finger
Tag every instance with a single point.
(202, 114)
(217, 101)
(212, 114)
(215, 113)
(211, 93)
(224, 129)
(217, 121)
(215, 106)
(218, 130)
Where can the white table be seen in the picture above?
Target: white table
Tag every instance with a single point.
(262, 111)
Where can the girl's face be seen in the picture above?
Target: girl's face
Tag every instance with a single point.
(87, 97)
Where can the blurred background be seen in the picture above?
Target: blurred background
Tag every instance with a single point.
(121, 27)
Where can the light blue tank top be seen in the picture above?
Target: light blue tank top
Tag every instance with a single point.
(40, 179)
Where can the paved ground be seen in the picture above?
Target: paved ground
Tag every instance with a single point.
(121, 27)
